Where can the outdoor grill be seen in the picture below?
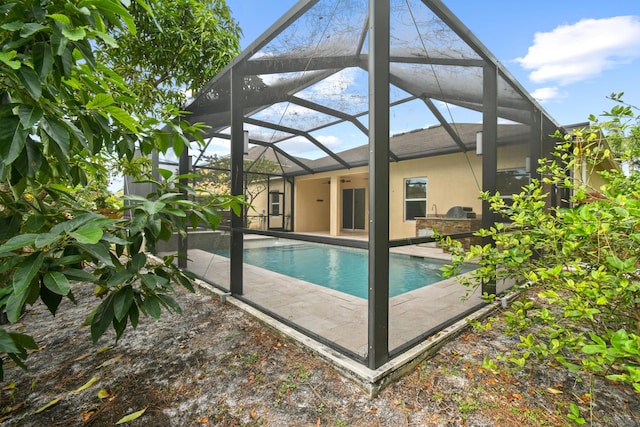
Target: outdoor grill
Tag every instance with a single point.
(461, 212)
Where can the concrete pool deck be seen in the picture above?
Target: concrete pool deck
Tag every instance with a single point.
(342, 318)
(336, 316)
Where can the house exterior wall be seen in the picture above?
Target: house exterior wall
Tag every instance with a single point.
(452, 180)
(592, 174)
(312, 205)
(258, 212)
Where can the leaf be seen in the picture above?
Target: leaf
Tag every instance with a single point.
(26, 271)
(19, 242)
(134, 315)
(74, 34)
(31, 82)
(178, 145)
(122, 302)
(59, 134)
(112, 7)
(60, 18)
(619, 339)
(46, 239)
(175, 212)
(151, 306)
(138, 261)
(29, 116)
(48, 405)
(119, 326)
(88, 234)
(103, 394)
(149, 280)
(82, 357)
(6, 343)
(51, 299)
(7, 58)
(165, 173)
(12, 26)
(88, 384)
(14, 305)
(42, 59)
(31, 28)
(78, 274)
(170, 302)
(123, 118)
(100, 100)
(99, 252)
(119, 278)
(114, 239)
(131, 417)
(25, 341)
(107, 38)
(12, 139)
(103, 349)
(102, 318)
(57, 283)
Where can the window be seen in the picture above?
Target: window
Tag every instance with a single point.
(511, 181)
(275, 204)
(415, 198)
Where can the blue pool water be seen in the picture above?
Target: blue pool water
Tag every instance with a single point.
(342, 269)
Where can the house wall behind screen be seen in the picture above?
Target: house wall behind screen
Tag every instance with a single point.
(453, 180)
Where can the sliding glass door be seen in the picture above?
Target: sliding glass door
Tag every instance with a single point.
(353, 209)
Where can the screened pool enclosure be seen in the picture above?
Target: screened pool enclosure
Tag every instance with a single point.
(349, 123)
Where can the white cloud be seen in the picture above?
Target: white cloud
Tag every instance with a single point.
(329, 141)
(546, 94)
(576, 52)
(335, 84)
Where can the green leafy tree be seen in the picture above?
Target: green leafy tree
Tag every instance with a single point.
(624, 132)
(215, 176)
(578, 300)
(59, 105)
(176, 49)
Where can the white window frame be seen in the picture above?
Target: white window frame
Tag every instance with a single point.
(414, 199)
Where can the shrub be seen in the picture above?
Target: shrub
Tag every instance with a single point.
(577, 268)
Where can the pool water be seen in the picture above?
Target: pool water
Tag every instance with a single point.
(343, 269)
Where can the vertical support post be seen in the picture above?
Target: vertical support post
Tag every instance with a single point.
(155, 162)
(334, 205)
(378, 338)
(237, 178)
(291, 204)
(536, 142)
(183, 246)
(535, 152)
(489, 150)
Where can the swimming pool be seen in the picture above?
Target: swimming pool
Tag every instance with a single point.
(343, 269)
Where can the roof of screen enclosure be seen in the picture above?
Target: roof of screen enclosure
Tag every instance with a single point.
(307, 76)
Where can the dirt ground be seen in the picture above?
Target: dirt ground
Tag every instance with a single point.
(216, 365)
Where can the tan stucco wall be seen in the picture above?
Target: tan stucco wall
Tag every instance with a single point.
(260, 206)
(593, 179)
(450, 182)
(312, 205)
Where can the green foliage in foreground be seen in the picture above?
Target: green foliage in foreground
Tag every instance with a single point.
(60, 107)
(579, 303)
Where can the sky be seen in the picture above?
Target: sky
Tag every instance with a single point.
(569, 54)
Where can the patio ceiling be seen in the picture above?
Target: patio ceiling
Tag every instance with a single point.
(307, 78)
